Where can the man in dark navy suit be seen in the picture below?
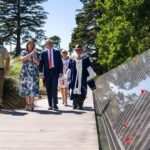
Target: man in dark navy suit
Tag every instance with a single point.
(52, 67)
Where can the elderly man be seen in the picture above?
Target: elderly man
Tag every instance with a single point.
(80, 74)
(4, 66)
(51, 64)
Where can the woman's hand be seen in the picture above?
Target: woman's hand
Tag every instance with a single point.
(27, 57)
(37, 62)
(32, 53)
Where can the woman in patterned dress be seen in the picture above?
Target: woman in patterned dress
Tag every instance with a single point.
(63, 81)
(29, 75)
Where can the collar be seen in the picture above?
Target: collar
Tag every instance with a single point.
(82, 56)
(49, 50)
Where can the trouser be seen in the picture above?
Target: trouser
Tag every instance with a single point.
(1, 82)
(51, 87)
(78, 101)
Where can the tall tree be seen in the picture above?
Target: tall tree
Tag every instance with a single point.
(24, 19)
(86, 30)
(124, 30)
(6, 27)
(56, 41)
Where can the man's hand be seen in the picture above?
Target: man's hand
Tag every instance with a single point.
(41, 75)
(60, 75)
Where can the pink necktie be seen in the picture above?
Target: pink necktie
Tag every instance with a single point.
(50, 60)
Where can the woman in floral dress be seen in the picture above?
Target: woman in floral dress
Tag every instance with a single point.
(29, 75)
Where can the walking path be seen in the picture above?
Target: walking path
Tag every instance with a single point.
(65, 129)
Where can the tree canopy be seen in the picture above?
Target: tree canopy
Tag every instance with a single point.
(56, 41)
(21, 20)
(112, 31)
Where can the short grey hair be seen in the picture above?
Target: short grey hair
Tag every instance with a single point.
(48, 41)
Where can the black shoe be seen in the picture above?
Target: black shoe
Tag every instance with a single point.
(80, 105)
(74, 104)
(56, 107)
(50, 108)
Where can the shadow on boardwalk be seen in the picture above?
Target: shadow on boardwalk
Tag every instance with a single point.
(47, 112)
(64, 129)
(13, 112)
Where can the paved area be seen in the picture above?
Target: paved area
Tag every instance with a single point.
(65, 129)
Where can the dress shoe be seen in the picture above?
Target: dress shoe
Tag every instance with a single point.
(74, 104)
(50, 108)
(56, 107)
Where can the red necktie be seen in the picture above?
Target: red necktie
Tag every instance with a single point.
(50, 60)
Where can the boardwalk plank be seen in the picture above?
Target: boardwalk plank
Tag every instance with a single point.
(66, 129)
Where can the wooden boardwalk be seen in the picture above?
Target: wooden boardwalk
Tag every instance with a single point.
(66, 129)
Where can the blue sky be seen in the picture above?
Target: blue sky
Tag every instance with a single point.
(61, 19)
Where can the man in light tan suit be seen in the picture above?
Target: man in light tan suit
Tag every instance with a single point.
(4, 67)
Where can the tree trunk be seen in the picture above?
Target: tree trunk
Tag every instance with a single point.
(18, 45)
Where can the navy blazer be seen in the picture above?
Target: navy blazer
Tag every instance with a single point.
(44, 63)
(85, 64)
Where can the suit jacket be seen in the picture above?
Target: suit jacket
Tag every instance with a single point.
(85, 74)
(44, 63)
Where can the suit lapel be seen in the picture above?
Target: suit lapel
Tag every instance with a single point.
(54, 56)
(46, 57)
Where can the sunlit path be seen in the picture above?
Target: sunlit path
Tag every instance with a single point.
(65, 129)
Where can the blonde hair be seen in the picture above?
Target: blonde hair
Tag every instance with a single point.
(64, 51)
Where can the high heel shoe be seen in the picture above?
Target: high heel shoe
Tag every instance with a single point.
(32, 107)
(27, 108)
(66, 104)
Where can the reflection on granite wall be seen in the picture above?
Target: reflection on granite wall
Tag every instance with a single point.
(123, 96)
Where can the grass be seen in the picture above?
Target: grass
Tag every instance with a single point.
(15, 66)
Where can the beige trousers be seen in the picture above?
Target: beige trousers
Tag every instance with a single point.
(1, 83)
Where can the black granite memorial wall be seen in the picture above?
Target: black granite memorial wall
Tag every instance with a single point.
(122, 99)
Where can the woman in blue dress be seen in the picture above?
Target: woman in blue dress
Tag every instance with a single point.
(80, 74)
(29, 75)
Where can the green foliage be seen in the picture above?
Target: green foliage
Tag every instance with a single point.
(124, 30)
(86, 30)
(15, 67)
(112, 31)
(56, 41)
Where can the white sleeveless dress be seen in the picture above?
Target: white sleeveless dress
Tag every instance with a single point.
(63, 81)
